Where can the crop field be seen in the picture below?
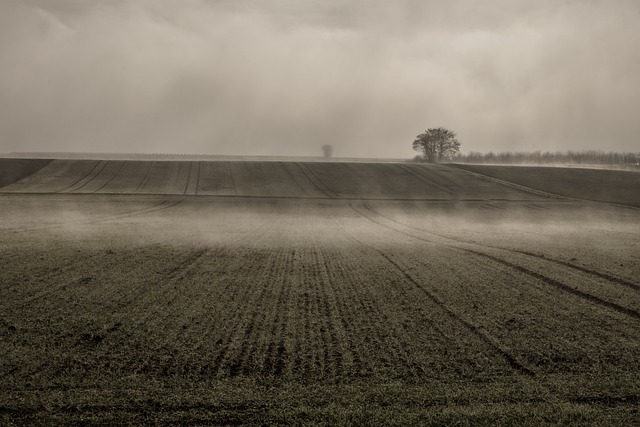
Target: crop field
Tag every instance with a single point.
(616, 186)
(262, 293)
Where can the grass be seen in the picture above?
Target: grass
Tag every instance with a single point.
(174, 310)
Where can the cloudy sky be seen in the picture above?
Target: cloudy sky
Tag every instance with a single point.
(283, 77)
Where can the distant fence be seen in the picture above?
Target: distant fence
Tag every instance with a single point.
(586, 158)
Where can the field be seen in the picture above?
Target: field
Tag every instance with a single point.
(615, 186)
(12, 170)
(198, 293)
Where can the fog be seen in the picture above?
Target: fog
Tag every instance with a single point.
(283, 77)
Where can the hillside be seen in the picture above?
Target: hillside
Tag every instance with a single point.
(589, 184)
(270, 293)
(393, 181)
(323, 180)
(12, 170)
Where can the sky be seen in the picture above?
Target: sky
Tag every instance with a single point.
(284, 77)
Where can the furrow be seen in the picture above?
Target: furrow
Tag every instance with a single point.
(223, 355)
(426, 179)
(133, 212)
(517, 186)
(332, 193)
(274, 335)
(559, 285)
(595, 273)
(239, 364)
(475, 330)
(313, 181)
(186, 186)
(608, 277)
(112, 178)
(228, 362)
(333, 357)
(103, 163)
(159, 207)
(344, 320)
(145, 178)
(155, 308)
(93, 261)
(484, 336)
(198, 164)
(389, 339)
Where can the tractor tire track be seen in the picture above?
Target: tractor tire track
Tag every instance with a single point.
(547, 280)
(317, 183)
(145, 178)
(186, 186)
(111, 179)
(426, 179)
(595, 273)
(104, 163)
(561, 286)
(491, 342)
(545, 193)
(476, 330)
(50, 276)
(165, 204)
(198, 164)
(317, 187)
(70, 189)
(517, 186)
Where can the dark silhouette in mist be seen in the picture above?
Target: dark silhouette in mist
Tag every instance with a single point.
(437, 144)
(327, 151)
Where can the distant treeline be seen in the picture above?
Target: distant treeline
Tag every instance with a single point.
(594, 157)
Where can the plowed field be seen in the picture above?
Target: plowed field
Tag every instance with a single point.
(392, 181)
(317, 293)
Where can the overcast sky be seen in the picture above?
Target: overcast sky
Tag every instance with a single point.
(283, 77)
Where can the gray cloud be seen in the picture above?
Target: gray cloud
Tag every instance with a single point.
(284, 76)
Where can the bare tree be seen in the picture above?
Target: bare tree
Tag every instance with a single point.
(327, 151)
(437, 144)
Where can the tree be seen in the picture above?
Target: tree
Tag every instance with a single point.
(327, 151)
(437, 144)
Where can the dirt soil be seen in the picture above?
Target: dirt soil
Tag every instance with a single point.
(502, 307)
(614, 186)
(12, 170)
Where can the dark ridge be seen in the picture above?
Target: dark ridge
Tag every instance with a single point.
(189, 157)
(13, 170)
(602, 185)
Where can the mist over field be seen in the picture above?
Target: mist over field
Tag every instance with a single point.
(142, 283)
(280, 77)
(327, 293)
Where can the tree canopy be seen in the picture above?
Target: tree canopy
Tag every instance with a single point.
(437, 144)
(327, 151)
